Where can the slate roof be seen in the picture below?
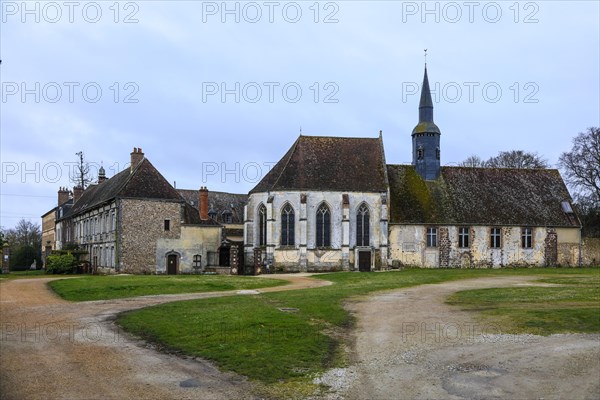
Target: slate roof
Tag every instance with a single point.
(219, 202)
(192, 216)
(329, 164)
(479, 196)
(144, 182)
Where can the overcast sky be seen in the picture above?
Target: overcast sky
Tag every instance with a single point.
(215, 93)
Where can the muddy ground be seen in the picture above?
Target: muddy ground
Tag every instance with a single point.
(407, 344)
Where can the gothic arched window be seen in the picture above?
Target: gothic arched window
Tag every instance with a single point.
(287, 226)
(323, 226)
(437, 153)
(420, 153)
(362, 226)
(262, 225)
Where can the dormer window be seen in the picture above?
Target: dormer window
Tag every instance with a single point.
(227, 218)
(212, 214)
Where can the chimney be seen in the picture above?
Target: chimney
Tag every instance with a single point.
(101, 175)
(63, 195)
(77, 191)
(136, 157)
(203, 203)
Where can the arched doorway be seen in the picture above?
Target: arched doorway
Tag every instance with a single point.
(172, 264)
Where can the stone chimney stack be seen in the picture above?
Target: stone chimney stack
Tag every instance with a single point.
(136, 157)
(63, 195)
(203, 203)
(77, 191)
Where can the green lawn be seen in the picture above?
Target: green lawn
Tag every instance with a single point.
(251, 336)
(574, 306)
(121, 286)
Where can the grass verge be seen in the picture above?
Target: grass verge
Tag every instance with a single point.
(23, 274)
(572, 306)
(121, 286)
(284, 349)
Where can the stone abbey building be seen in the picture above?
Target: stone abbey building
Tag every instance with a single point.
(332, 203)
(329, 204)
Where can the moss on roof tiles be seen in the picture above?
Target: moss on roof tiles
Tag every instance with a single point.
(490, 196)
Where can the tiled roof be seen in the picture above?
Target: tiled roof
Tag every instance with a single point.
(143, 182)
(192, 216)
(329, 164)
(220, 203)
(487, 196)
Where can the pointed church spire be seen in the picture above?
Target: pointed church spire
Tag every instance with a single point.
(426, 136)
(426, 104)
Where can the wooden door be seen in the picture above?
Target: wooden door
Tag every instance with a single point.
(172, 264)
(364, 261)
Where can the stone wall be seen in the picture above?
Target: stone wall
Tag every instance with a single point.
(591, 251)
(141, 225)
(194, 240)
(549, 247)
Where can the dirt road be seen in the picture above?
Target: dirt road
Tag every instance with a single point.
(54, 349)
(410, 345)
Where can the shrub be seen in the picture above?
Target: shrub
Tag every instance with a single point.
(60, 264)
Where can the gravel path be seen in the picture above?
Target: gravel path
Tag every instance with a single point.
(54, 349)
(410, 345)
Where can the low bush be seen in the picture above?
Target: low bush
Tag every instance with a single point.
(60, 264)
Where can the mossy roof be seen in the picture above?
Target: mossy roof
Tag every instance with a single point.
(323, 163)
(479, 196)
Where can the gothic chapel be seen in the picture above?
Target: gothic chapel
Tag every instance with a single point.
(333, 204)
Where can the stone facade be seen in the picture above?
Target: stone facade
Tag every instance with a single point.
(95, 231)
(408, 246)
(304, 254)
(138, 251)
(48, 234)
(136, 222)
(195, 249)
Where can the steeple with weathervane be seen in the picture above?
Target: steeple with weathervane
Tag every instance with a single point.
(426, 136)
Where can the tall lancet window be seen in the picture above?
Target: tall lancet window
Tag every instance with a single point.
(287, 226)
(262, 225)
(362, 226)
(323, 226)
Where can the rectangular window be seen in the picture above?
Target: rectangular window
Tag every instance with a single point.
(495, 242)
(526, 238)
(463, 237)
(197, 261)
(167, 225)
(431, 237)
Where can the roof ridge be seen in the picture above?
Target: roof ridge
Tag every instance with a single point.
(340, 137)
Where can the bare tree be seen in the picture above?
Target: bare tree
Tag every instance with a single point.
(81, 175)
(581, 165)
(25, 233)
(473, 162)
(25, 241)
(517, 159)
